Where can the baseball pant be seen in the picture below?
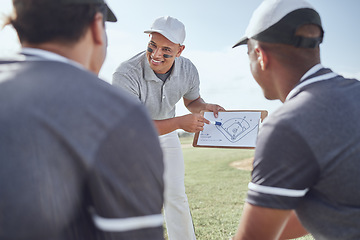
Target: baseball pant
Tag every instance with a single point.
(176, 207)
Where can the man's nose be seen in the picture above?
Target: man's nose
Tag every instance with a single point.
(157, 52)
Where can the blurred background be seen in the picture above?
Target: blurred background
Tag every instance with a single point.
(212, 29)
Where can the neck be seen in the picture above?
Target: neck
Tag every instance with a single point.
(289, 77)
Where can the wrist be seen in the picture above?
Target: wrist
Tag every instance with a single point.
(177, 122)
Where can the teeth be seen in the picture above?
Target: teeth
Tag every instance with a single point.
(156, 61)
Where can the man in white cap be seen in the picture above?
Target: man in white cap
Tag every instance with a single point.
(159, 78)
(307, 160)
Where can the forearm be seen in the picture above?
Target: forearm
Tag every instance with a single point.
(167, 125)
(293, 228)
(272, 222)
(190, 123)
(196, 106)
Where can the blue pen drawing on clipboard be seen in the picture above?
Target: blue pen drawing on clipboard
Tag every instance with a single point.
(236, 128)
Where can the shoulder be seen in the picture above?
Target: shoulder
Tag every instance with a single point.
(184, 62)
(183, 66)
(45, 69)
(136, 63)
(95, 90)
(284, 125)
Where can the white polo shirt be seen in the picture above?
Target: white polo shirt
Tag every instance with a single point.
(136, 77)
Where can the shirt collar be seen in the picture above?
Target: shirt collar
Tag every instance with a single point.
(308, 79)
(50, 56)
(311, 71)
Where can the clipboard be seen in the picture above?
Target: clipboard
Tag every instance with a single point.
(232, 129)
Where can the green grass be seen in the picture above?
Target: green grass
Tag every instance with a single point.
(216, 191)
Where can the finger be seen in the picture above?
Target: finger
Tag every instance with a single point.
(201, 124)
(201, 119)
(217, 110)
(216, 113)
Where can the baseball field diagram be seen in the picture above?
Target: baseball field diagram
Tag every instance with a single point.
(238, 129)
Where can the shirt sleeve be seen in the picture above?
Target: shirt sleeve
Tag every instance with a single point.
(284, 168)
(194, 83)
(126, 82)
(126, 182)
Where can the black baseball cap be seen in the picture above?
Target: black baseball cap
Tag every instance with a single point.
(110, 15)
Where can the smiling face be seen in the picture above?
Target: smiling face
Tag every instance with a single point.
(161, 53)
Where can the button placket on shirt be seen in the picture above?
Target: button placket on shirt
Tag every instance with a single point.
(162, 90)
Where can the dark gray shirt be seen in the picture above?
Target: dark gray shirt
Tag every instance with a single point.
(78, 157)
(308, 158)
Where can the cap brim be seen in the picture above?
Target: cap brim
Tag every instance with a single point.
(242, 41)
(157, 31)
(149, 31)
(110, 15)
(164, 34)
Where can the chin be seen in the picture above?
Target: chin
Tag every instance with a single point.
(271, 97)
(268, 96)
(155, 69)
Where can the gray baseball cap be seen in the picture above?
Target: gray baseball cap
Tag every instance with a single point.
(110, 15)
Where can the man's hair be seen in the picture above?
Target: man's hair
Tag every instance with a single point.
(39, 21)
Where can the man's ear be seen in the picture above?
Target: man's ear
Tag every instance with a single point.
(182, 47)
(98, 28)
(262, 57)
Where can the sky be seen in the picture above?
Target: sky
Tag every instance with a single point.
(212, 28)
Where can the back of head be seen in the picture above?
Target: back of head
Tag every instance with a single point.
(39, 21)
(293, 57)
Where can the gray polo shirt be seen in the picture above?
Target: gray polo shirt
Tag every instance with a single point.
(136, 77)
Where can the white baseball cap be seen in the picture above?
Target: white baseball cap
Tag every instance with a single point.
(169, 27)
(276, 21)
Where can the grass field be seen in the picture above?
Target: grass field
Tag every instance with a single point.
(216, 191)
